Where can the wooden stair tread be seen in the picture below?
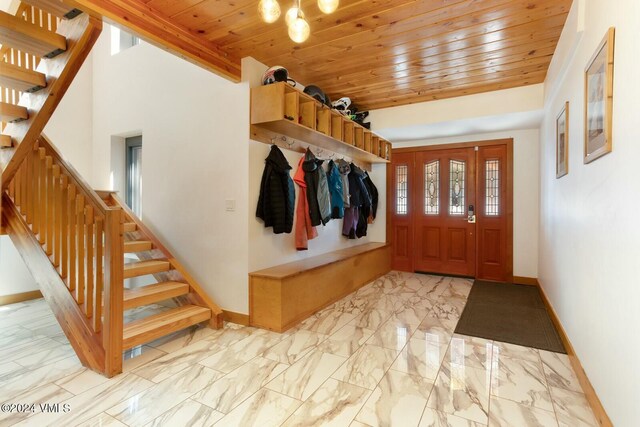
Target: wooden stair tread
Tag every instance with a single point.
(20, 78)
(153, 327)
(141, 268)
(5, 141)
(129, 227)
(27, 37)
(10, 112)
(153, 293)
(54, 7)
(132, 246)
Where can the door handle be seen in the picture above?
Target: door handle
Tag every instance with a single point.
(471, 215)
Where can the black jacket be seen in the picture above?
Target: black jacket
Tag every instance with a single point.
(359, 195)
(277, 195)
(373, 192)
(312, 179)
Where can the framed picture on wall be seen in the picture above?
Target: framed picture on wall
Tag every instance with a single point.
(598, 89)
(562, 142)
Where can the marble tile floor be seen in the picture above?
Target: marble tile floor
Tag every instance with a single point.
(385, 355)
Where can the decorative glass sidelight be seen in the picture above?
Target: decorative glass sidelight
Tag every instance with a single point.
(432, 188)
(402, 190)
(492, 187)
(456, 187)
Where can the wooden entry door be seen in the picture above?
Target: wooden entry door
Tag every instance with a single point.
(400, 232)
(494, 214)
(445, 240)
(431, 190)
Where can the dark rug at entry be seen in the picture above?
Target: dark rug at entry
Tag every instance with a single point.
(509, 313)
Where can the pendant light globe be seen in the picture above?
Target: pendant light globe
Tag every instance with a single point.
(292, 14)
(328, 6)
(269, 10)
(299, 30)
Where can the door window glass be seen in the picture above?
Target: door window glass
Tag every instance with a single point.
(401, 189)
(432, 188)
(456, 187)
(492, 187)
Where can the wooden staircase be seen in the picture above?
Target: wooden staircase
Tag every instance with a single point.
(79, 244)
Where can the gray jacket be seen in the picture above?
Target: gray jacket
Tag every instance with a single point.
(345, 168)
(324, 197)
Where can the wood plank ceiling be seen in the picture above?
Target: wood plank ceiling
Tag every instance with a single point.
(383, 53)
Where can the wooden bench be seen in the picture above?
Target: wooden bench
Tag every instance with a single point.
(284, 295)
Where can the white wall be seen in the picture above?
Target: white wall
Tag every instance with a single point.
(14, 276)
(194, 127)
(589, 233)
(525, 192)
(70, 128)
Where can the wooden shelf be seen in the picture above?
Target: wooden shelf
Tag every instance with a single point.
(278, 110)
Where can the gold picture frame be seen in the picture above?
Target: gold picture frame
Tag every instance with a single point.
(562, 141)
(598, 96)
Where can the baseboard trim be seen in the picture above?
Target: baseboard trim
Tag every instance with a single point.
(520, 280)
(589, 391)
(238, 318)
(21, 297)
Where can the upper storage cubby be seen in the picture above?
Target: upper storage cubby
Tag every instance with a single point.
(278, 110)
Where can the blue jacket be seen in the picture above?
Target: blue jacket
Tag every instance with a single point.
(336, 191)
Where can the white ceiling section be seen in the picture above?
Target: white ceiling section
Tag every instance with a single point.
(511, 109)
(487, 124)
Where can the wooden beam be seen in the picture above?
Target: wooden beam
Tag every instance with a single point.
(12, 113)
(20, 78)
(157, 29)
(28, 37)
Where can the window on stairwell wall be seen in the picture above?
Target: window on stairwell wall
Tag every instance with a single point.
(121, 40)
(133, 162)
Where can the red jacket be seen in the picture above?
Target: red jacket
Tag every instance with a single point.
(304, 230)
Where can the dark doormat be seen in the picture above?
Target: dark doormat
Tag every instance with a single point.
(509, 313)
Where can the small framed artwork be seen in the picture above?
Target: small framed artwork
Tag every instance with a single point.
(562, 142)
(598, 89)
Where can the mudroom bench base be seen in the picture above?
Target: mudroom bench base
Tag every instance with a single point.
(282, 296)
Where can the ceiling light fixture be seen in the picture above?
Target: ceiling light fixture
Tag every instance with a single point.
(328, 6)
(292, 15)
(269, 10)
(299, 29)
